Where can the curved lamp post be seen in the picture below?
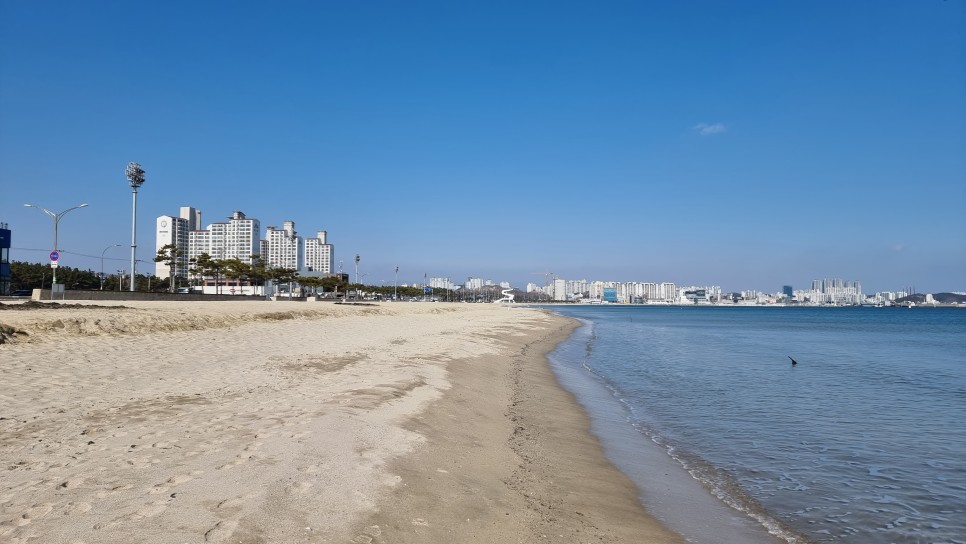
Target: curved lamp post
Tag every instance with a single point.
(102, 262)
(135, 176)
(56, 217)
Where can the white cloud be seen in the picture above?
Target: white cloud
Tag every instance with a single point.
(705, 129)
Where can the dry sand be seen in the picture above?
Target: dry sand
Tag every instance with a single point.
(284, 422)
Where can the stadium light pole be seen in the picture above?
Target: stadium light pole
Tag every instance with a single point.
(56, 216)
(135, 176)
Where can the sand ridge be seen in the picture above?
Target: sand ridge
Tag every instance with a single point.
(53, 321)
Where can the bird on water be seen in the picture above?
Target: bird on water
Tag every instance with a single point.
(794, 362)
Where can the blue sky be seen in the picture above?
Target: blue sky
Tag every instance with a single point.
(741, 144)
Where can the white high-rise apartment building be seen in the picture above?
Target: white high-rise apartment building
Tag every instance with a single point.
(835, 291)
(238, 238)
(318, 253)
(175, 230)
(474, 283)
(667, 291)
(560, 289)
(282, 248)
(442, 283)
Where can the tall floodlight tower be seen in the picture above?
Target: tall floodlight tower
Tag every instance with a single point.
(135, 175)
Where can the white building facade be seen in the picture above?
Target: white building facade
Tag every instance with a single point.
(282, 248)
(238, 238)
(319, 253)
(443, 283)
(176, 231)
(832, 291)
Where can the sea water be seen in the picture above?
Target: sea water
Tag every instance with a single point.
(862, 441)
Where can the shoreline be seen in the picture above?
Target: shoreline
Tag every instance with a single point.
(539, 475)
(672, 494)
(259, 423)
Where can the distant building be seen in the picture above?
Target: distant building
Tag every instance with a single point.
(788, 291)
(319, 253)
(442, 283)
(282, 248)
(694, 295)
(610, 294)
(175, 230)
(238, 238)
(559, 290)
(667, 291)
(5, 274)
(833, 291)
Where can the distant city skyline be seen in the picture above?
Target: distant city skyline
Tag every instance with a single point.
(745, 145)
(346, 265)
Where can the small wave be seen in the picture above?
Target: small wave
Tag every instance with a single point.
(728, 491)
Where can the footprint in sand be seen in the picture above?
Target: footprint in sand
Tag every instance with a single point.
(229, 504)
(254, 446)
(300, 487)
(71, 483)
(222, 531)
(114, 489)
(76, 508)
(178, 479)
(368, 536)
(150, 510)
(33, 513)
(233, 464)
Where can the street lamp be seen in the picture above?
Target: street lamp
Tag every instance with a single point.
(135, 176)
(102, 262)
(395, 283)
(56, 217)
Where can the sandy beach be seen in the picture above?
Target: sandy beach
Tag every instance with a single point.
(252, 422)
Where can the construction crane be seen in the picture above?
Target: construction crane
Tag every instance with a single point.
(546, 277)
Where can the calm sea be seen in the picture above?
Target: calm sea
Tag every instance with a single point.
(863, 441)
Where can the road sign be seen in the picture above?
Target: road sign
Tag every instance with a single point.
(53, 264)
(54, 255)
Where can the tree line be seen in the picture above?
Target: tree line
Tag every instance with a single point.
(26, 275)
